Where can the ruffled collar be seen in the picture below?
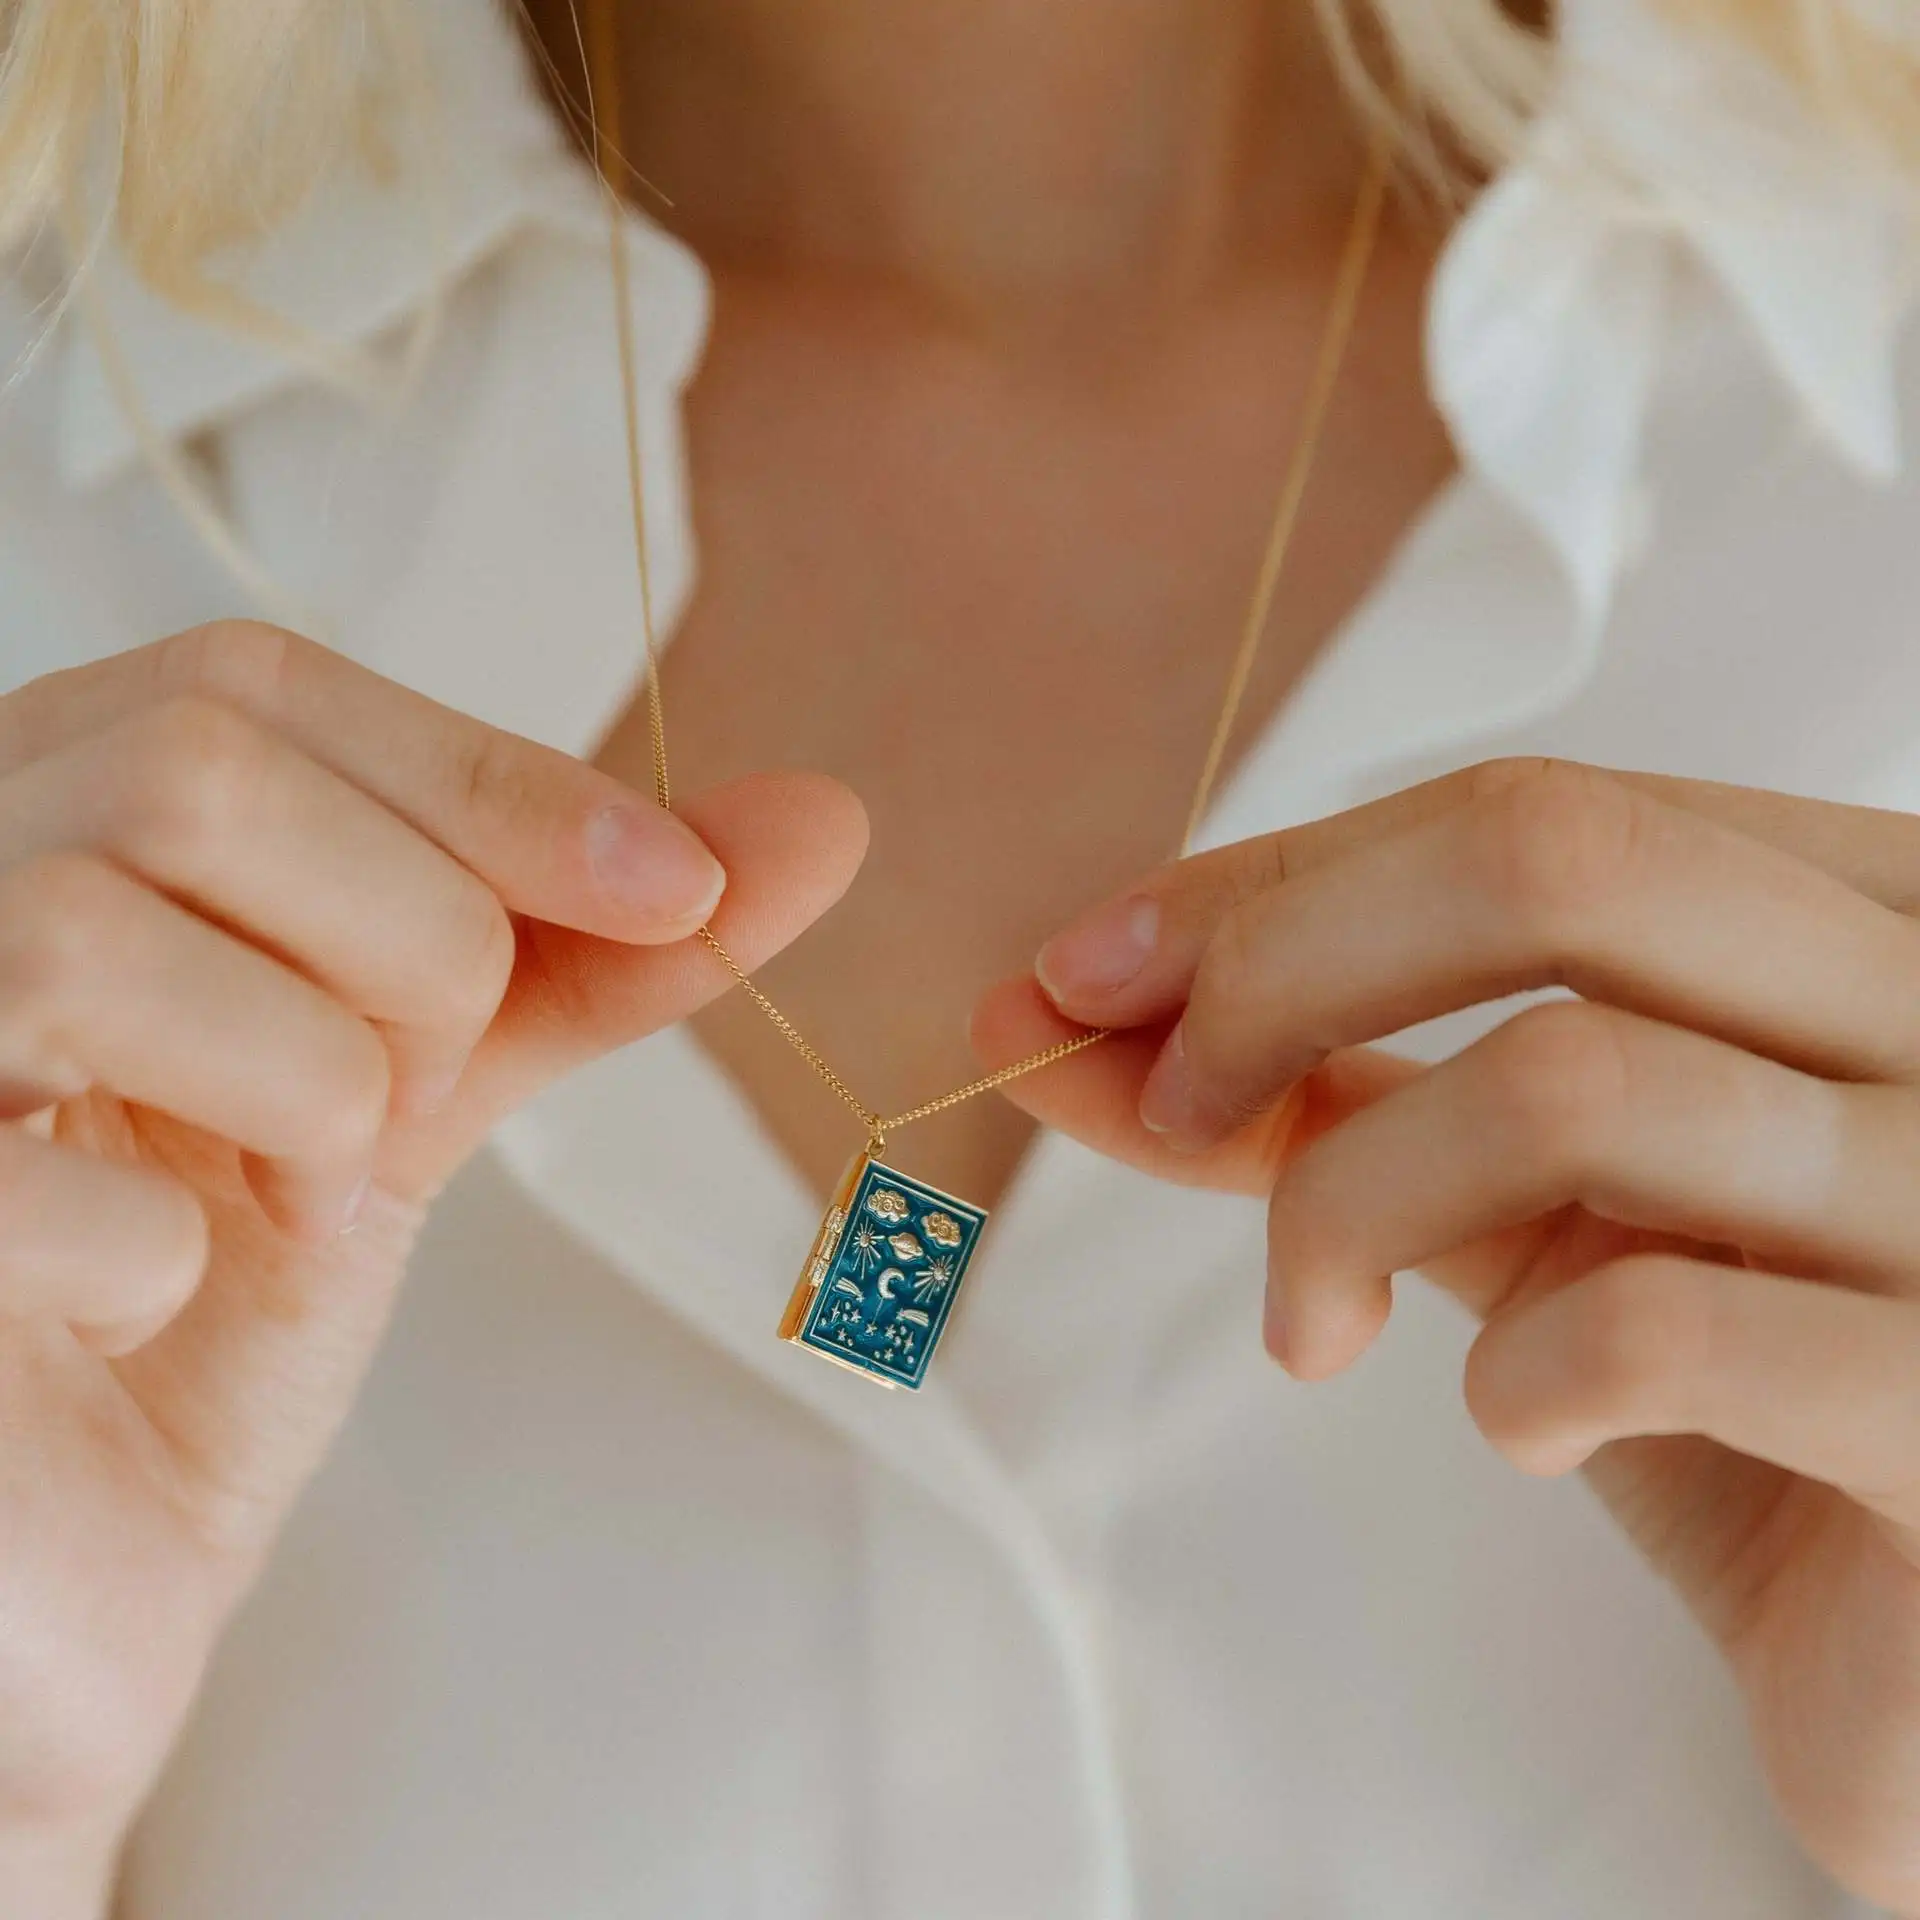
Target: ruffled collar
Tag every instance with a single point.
(1661, 154)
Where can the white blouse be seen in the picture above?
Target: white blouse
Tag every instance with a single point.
(607, 1604)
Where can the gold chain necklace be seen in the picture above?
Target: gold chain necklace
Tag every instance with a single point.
(879, 1283)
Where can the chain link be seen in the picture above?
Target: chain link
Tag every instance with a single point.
(797, 1040)
(1033, 1062)
(603, 107)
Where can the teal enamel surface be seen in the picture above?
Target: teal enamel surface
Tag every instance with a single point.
(892, 1277)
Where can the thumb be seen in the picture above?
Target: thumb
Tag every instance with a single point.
(791, 844)
(1095, 1096)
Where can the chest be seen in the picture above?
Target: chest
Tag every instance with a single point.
(998, 596)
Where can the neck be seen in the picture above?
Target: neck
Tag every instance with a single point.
(1004, 160)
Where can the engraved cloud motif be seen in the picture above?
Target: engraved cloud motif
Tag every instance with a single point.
(942, 1229)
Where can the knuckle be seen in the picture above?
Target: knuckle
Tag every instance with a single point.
(245, 661)
(491, 775)
(1491, 778)
(175, 1247)
(486, 947)
(348, 1118)
(180, 1258)
(58, 913)
(1642, 1324)
(192, 774)
(1247, 1038)
(1509, 1411)
(1227, 1055)
(1557, 1080)
(1258, 868)
(1232, 967)
(27, 714)
(1553, 842)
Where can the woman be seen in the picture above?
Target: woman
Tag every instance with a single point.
(601, 1601)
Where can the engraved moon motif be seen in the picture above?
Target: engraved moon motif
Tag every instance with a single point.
(884, 1204)
(889, 1284)
(906, 1247)
(942, 1229)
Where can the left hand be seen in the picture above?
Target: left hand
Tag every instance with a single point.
(1686, 1204)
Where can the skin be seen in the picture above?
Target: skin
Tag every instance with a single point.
(278, 942)
(994, 501)
(1014, 309)
(1682, 1204)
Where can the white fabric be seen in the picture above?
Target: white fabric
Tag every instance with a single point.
(609, 1606)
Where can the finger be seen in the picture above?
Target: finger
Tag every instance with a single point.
(1129, 960)
(1575, 881)
(791, 844)
(552, 836)
(257, 1370)
(1094, 1096)
(105, 983)
(111, 1250)
(1818, 1380)
(1649, 1126)
(229, 818)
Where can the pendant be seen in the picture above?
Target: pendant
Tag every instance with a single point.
(879, 1286)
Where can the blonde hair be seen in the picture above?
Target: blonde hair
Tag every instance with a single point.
(193, 122)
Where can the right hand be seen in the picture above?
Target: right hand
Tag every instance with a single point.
(279, 942)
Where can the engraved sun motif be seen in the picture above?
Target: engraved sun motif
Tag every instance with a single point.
(942, 1229)
(884, 1204)
(906, 1247)
(933, 1279)
(866, 1248)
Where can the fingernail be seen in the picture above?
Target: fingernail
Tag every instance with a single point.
(432, 1090)
(645, 858)
(1102, 951)
(1273, 1331)
(354, 1205)
(322, 1213)
(1167, 1105)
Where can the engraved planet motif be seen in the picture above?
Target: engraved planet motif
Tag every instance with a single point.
(906, 1247)
(942, 1229)
(884, 1204)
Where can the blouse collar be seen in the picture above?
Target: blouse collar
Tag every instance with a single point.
(1661, 155)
